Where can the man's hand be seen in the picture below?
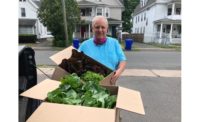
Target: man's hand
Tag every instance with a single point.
(118, 72)
(115, 77)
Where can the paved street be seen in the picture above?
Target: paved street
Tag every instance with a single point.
(161, 98)
(169, 60)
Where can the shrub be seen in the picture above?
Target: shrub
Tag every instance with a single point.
(27, 38)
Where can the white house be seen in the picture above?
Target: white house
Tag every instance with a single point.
(158, 20)
(28, 21)
(111, 9)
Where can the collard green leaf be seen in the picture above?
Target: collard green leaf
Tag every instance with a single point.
(92, 76)
(72, 91)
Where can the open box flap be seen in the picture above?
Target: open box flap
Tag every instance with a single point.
(59, 73)
(130, 100)
(52, 112)
(40, 90)
(107, 79)
(64, 54)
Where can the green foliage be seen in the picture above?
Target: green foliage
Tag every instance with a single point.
(74, 92)
(50, 14)
(27, 38)
(92, 76)
(73, 80)
(126, 14)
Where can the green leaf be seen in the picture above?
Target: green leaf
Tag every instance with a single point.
(92, 76)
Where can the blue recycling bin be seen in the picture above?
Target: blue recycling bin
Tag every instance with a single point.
(76, 43)
(128, 44)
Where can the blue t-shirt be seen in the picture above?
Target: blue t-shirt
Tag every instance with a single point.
(110, 53)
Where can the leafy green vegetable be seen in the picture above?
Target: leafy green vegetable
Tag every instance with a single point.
(74, 92)
(92, 76)
(73, 80)
(111, 101)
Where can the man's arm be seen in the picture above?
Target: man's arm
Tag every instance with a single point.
(118, 72)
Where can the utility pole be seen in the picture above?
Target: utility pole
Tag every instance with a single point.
(65, 22)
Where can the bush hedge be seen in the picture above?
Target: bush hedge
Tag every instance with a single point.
(27, 38)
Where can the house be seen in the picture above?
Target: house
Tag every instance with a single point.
(111, 9)
(158, 20)
(28, 21)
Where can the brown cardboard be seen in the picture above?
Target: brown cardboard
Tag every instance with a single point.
(40, 90)
(51, 112)
(66, 54)
(134, 104)
(58, 73)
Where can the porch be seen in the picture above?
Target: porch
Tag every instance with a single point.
(167, 31)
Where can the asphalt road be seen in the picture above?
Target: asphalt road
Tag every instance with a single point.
(161, 99)
(169, 60)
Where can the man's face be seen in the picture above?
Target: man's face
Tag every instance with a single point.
(100, 29)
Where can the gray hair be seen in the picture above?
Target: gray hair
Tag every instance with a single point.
(97, 18)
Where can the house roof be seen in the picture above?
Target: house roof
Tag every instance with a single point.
(167, 20)
(114, 21)
(85, 2)
(139, 8)
(27, 22)
(110, 21)
(116, 3)
(38, 3)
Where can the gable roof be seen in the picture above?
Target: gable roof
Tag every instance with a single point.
(38, 3)
(115, 3)
(85, 2)
(139, 8)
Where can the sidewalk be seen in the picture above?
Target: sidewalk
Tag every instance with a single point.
(47, 45)
(133, 72)
(128, 72)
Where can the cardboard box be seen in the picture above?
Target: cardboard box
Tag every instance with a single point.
(66, 54)
(127, 99)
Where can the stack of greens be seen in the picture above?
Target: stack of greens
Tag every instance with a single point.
(84, 91)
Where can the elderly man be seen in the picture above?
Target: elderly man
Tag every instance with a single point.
(105, 50)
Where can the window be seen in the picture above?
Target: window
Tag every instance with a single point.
(146, 22)
(141, 3)
(158, 28)
(144, 16)
(107, 12)
(169, 12)
(143, 29)
(135, 19)
(138, 18)
(178, 11)
(86, 12)
(168, 27)
(99, 11)
(23, 13)
(179, 29)
(141, 17)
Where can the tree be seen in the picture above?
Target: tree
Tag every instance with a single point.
(50, 14)
(126, 14)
